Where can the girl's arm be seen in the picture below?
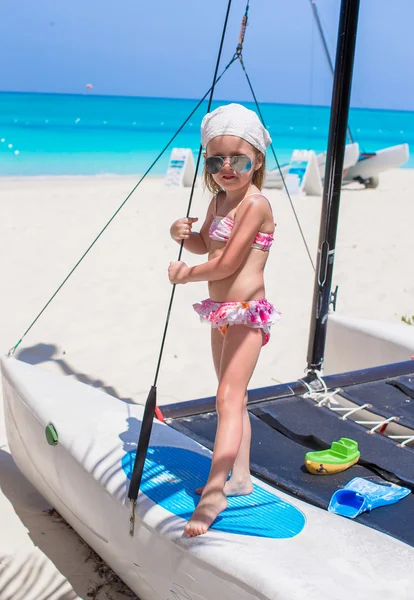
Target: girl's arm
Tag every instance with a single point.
(248, 222)
(197, 243)
(194, 243)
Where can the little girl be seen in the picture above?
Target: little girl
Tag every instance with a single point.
(237, 234)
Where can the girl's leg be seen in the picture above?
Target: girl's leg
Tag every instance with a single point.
(240, 352)
(240, 482)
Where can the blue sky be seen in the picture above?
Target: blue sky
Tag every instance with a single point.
(166, 48)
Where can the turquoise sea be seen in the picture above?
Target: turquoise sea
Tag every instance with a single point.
(63, 134)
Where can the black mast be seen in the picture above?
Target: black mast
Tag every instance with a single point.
(325, 47)
(333, 178)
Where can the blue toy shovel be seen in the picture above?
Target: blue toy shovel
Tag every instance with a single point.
(361, 495)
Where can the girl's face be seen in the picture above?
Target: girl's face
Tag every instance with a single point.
(227, 146)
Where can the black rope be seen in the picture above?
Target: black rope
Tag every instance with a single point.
(192, 191)
(239, 56)
(311, 85)
(326, 50)
(150, 405)
(12, 350)
(242, 33)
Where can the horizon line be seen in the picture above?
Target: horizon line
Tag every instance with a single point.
(92, 94)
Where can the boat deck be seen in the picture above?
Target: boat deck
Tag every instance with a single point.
(392, 398)
(285, 428)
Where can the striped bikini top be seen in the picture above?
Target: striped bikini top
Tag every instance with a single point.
(221, 228)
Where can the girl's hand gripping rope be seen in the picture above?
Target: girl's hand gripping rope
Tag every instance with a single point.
(178, 272)
(181, 229)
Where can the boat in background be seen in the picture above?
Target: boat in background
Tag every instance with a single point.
(274, 178)
(370, 165)
(367, 165)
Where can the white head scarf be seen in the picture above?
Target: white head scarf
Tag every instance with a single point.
(237, 120)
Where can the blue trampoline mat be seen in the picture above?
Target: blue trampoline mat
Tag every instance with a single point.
(172, 474)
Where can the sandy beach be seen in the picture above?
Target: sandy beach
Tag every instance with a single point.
(105, 326)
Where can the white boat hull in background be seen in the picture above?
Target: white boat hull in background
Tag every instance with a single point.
(365, 169)
(353, 344)
(274, 179)
(370, 167)
(82, 478)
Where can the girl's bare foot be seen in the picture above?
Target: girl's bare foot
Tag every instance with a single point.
(234, 487)
(211, 504)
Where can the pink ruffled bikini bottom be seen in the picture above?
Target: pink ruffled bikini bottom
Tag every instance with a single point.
(258, 314)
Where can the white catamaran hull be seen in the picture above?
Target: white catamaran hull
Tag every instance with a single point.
(83, 477)
(371, 166)
(366, 169)
(353, 344)
(274, 179)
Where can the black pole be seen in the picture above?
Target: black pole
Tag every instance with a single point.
(327, 53)
(333, 178)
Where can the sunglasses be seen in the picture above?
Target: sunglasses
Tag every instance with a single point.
(241, 164)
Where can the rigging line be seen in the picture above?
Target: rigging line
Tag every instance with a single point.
(311, 112)
(277, 162)
(13, 349)
(151, 402)
(239, 55)
(327, 53)
(215, 80)
(242, 33)
(167, 320)
(355, 92)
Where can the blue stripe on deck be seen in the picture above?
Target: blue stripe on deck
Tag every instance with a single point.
(171, 475)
